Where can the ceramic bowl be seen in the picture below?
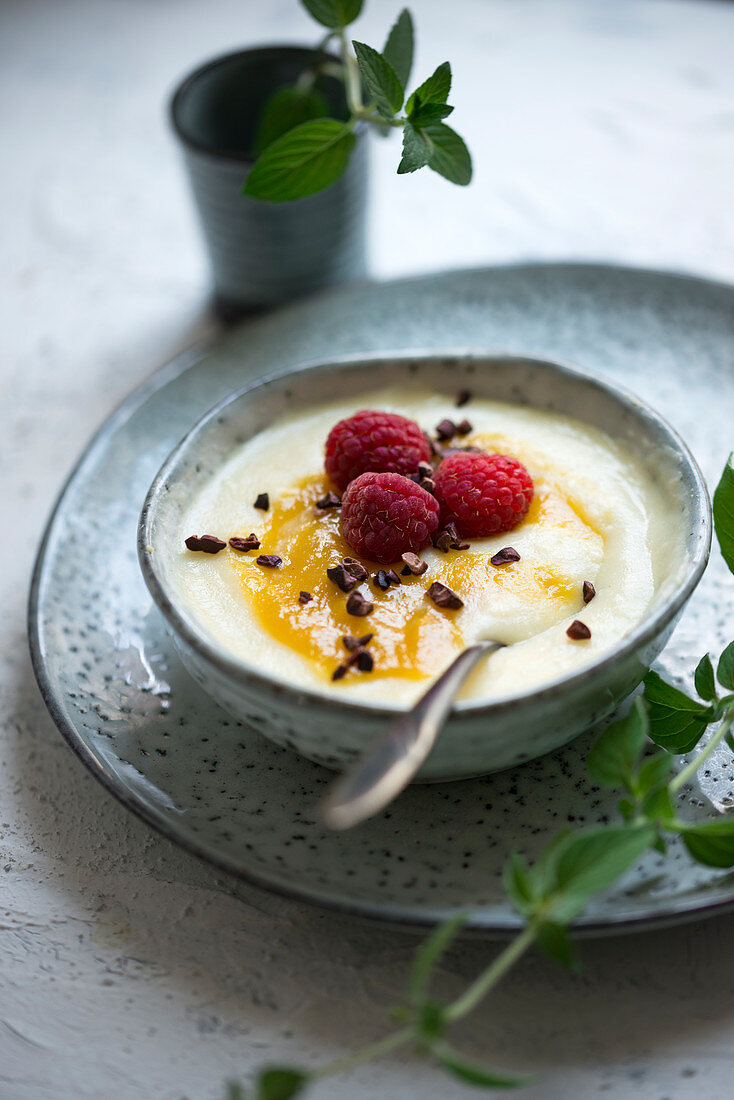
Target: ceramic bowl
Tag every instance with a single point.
(478, 737)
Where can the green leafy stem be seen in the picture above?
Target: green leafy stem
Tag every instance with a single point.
(302, 151)
(634, 756)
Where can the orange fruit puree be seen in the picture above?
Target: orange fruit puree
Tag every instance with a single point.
(413, 639)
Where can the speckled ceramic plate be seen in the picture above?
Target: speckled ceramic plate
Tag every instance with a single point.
(119, 696)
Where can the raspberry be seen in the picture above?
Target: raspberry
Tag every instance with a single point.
(385, 514)
(482, 494)
(375, 441)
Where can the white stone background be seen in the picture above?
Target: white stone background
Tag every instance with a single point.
(601, 129)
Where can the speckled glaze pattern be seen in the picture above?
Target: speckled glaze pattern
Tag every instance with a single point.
(122, 699)
(477, 739)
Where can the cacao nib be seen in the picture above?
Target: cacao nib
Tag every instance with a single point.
(365, 661)
(251, 542)
(355, 568)
(446, 429)
(205, 544)
(341, 578)
(504, 556)
(331, 500)
(358, 605)
(272, 561)
(443, 596)
(415, 565)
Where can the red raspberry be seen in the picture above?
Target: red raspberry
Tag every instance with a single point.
(375, 441)
(483, 494)
(384, 515)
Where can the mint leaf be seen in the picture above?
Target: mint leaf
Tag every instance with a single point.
(430, 952)
(398, 50)
(711, 843)
(416, 150)
(380, 80)
(287, 108)
(279, 1083)
(653, 773)
(591, 861)
(657, 806)
(333, 13)
(529, 887)
(543, 871)
(449, 156)
(301, 162)
(434, 90)
(425, 113)
(573, 867)
(724, 704)
(660, 693)
(627, 808)
(518, 884)
(679, 735)
(652, 797)
(474, 1074)
(615, 754)
(430, 1022)
(554, 941)
(724, 513)
(725, 670)
(704, 678)
(677, 722)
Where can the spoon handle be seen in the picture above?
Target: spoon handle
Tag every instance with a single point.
(390, 763)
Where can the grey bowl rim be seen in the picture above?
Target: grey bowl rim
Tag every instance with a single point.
(184, 84)
(186, 626)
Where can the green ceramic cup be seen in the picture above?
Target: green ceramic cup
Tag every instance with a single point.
(261, 253)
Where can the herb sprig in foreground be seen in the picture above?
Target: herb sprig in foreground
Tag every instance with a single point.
(302, 151)
(633, 756)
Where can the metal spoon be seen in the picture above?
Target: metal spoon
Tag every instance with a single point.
(390, 763)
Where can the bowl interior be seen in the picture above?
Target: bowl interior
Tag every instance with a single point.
(516, 380)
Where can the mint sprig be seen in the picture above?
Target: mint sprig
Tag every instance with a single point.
(375, 85)
(724, 513)
(633, 756)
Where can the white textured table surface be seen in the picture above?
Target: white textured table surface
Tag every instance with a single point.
(601, 130)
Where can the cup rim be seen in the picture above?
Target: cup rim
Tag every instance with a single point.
(187, 627)
(186, 83)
